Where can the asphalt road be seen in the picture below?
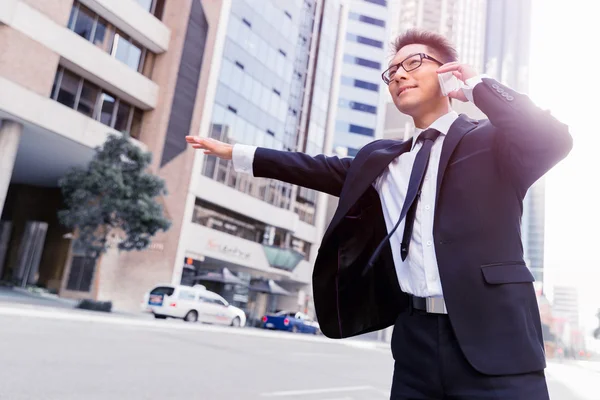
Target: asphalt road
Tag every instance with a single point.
(52, 354)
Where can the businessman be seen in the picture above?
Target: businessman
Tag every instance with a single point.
(427, 236)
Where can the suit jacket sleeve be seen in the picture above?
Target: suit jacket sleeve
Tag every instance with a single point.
(530, 141)
(321, 173)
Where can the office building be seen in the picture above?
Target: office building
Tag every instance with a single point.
(73, 72)
(362, 97)
(565, 304)
(273, 89)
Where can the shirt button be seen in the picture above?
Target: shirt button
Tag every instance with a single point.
(429, 243)
(427, 207)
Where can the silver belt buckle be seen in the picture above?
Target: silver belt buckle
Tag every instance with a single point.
(436, 305)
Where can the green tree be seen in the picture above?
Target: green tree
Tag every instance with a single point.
(113, 199)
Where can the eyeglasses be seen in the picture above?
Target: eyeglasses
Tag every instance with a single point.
(409, 64)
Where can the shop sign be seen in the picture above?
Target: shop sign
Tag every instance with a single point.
(227, 249)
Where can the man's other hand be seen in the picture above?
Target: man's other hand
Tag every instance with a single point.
(460, 71)
(211, 147)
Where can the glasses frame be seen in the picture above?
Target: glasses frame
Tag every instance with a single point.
(400, 64)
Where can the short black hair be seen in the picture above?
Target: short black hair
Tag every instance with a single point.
(436, 42)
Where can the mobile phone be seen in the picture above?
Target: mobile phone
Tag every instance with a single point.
(448, 83)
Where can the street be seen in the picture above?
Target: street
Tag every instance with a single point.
(57, 354)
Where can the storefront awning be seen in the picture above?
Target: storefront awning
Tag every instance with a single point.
(224, 276)
(286, 259)
(269, 287)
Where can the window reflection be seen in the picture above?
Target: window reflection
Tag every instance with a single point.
(67, 92)
(107, 107)
(122, 119)
(84, 22)
(126, 51)
(87, 99)
(95, 29)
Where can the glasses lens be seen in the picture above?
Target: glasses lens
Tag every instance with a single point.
(411, 63)
(389, 74)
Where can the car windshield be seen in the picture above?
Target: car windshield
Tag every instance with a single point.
(168, 290)
(285, 313)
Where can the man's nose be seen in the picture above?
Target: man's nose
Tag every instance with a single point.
(400, 75)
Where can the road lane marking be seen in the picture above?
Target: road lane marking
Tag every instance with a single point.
(317, 391)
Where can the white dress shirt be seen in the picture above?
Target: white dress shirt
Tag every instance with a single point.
(418, 274)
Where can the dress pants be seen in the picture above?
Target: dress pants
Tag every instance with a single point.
(429, 364)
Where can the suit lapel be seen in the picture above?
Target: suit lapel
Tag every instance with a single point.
(364, 174)
(458, 130)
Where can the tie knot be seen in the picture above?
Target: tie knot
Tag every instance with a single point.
(429, 134)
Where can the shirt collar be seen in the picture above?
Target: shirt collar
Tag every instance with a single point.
(442, 124)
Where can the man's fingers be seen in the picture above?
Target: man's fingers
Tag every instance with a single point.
(453, 66)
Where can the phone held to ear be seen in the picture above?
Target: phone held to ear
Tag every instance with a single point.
(448, 83)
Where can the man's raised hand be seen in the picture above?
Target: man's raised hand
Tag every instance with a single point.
(211, 147)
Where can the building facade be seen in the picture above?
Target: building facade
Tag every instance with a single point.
(361, 104)
(74, 72)
(276, 86)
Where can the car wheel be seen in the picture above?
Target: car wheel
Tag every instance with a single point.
(191, 316)
(160, 316)
(236, 322)
(295, 329)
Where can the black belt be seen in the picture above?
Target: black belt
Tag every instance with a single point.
(433, 305)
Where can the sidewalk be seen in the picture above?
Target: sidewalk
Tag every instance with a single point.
(31, 297)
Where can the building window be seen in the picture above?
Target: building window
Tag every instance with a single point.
(352, 152)
(154, 7)
(378, 2)
(366, 20)
(94, 102)
(361, 130)
(302, 247)
(275, 193)
(359, 84)
(95, 29)
(223, 220)
(357, 106)
(81, 275)
(363, 40)
(342, 126)
(362, 62)
(67, 88)
(127, 51)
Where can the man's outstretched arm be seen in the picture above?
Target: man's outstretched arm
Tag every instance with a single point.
(321, 173)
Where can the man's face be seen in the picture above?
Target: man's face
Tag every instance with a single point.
(412, 91)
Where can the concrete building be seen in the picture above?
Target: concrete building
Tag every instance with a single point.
(565, 304)
(361, 105)
(72, 72)
(274, 88)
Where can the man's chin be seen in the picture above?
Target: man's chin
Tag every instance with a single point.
(406, 107)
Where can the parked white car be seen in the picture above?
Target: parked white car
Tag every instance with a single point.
(192, 304)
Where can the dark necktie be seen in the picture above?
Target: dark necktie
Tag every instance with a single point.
(412, 194)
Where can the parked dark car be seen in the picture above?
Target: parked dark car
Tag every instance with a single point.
(291, 321)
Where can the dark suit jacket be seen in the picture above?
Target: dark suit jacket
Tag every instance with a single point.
(485, 170)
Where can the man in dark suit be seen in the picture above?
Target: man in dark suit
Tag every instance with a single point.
(427, 236)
